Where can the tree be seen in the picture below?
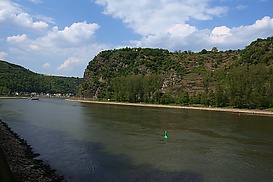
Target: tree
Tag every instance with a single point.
(204, 51)
(166, 98)
(214, 49)
(183, 99)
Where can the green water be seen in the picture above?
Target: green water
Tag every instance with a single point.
(97, 142)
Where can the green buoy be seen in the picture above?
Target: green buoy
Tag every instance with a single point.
(165, 135)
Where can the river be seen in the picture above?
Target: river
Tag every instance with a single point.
(97, 142)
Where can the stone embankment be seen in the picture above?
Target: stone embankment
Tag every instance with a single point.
(17, 160)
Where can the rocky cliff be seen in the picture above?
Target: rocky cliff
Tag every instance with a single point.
(125, 74)
(181, 71)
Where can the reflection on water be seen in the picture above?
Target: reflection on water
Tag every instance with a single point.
(96, 142)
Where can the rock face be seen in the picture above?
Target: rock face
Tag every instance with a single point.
(20, 159)
(181, 71)
(204, 77)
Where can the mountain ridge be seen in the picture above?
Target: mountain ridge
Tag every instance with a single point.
(179, 77)
(15, 78)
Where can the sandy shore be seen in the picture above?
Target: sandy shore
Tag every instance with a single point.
(239, 111)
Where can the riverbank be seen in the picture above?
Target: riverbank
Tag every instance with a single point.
(233, 110)
(14, 97)
(21, 159)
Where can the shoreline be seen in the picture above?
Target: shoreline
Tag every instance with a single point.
(21, 161)
(15, 97)
(231, 110)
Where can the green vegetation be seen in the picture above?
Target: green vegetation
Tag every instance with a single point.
(137, 88)
(233, 78)
(245, 86)
(136, 68)
(134, 61)
(14, 78)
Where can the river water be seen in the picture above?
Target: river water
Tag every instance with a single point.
(97, 142)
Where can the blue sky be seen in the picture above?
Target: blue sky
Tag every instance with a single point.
(60, 37)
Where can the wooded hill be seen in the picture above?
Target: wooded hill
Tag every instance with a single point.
(237, 78)
(14, 78)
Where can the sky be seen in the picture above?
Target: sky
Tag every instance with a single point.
(60, 37)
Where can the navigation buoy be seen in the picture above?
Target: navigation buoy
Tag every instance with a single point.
(165, 135)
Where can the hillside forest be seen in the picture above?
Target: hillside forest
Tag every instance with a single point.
(14, 78)
(232, 78)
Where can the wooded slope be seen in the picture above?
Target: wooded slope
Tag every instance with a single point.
(14, 78)
(238, 78)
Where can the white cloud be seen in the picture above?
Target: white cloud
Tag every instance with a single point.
(75, 41)
(22, 42)
(181, 30)
(220, 34)
(77, 33)
(36, 1)
(68, 64)
(4, 56)
(147, 17)
(45, 19)
(7, 6)
(46, 65)
(11, 14)
(40, 25)
(17, 39)
(186, 37)
(240, 7)
(166, 24)
(242, 35)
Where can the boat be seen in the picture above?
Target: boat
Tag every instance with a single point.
(34, 98)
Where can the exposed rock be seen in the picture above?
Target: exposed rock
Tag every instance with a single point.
(21, 159)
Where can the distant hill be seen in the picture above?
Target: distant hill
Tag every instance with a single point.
(237, 78)
(14, 78)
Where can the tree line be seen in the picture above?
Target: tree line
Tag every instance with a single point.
(137, 88)
(246, 86)
(14, 78)
(239, 78)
